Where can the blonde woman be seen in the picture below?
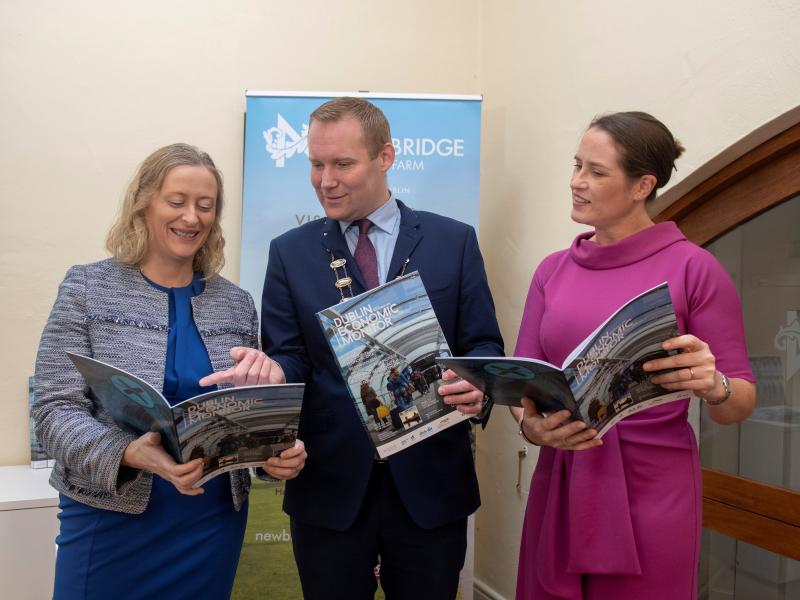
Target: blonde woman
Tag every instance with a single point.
(131, 524)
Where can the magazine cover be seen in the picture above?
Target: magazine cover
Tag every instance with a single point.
(602, 380)
(386, 342)
(39, 457)
(229, 429)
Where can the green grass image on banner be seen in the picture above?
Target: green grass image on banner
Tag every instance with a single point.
(266, 567)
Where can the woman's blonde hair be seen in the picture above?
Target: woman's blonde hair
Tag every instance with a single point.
(128, 238)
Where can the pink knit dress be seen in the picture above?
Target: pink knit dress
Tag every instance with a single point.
(622, 521)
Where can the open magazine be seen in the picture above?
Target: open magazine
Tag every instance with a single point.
(602, 380)
(385, 342)
(229, 429)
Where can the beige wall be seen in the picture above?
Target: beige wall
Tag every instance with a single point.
(91, 87)
(713, 71)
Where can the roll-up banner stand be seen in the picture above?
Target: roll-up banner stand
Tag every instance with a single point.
(437, 169)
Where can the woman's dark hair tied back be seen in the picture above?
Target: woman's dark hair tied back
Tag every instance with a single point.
(645, 145)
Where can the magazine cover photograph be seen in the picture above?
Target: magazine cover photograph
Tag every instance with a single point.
(229, 429)
(386, 342)
(606, 373)
(230, 434)
(602, 380)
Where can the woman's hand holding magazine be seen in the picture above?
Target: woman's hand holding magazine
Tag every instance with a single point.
(557, 430)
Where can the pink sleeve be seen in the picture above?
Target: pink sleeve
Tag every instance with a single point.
(715, 314)
(528, 339)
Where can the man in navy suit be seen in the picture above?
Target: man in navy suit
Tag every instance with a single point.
(347, 508)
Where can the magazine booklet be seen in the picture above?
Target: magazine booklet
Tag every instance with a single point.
(386, 341)
(602, 380)
(231, 428)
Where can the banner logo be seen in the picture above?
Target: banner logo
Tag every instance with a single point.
(283, 141)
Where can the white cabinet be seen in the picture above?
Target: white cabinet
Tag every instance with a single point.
(28, 529)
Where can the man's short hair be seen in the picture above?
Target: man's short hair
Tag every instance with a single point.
(374, 126)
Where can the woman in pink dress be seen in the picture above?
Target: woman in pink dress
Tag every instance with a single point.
(620, 518)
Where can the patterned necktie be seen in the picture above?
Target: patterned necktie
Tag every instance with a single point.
(365, 256)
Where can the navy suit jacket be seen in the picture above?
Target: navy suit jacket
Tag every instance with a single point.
(436, 478)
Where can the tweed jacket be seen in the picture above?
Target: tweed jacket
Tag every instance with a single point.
(108, 311)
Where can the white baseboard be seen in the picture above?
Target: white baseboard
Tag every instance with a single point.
(484, 592)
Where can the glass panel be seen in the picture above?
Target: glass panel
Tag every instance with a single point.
(763, 258)
(732, 569)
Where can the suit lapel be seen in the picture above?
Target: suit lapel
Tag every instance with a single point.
(407, 239)
(334, 243)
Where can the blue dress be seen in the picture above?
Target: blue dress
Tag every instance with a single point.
(180, 546)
